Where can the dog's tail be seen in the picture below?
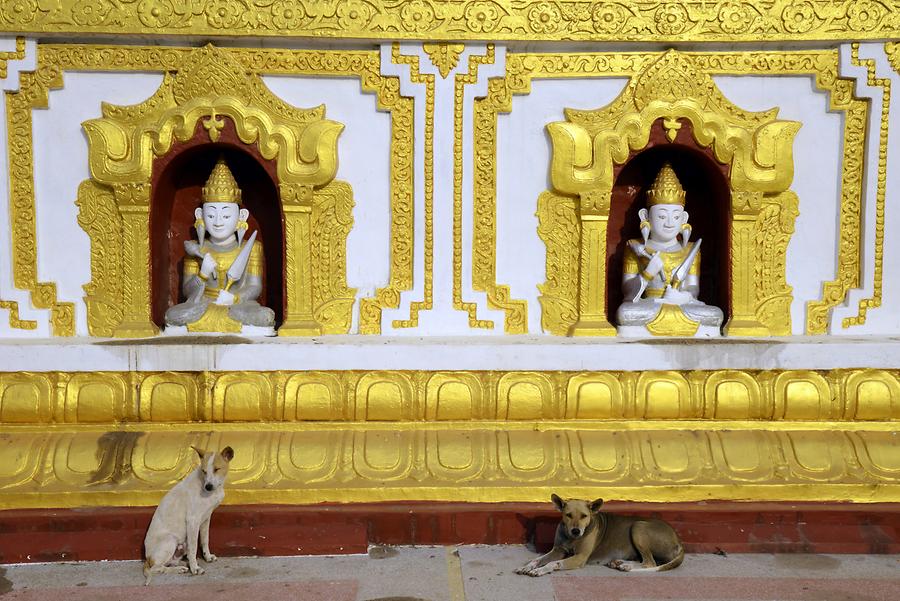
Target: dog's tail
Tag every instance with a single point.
(675, 562)
(671, 565)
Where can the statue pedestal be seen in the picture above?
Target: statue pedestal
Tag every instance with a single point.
(643, 332)
(245, 331)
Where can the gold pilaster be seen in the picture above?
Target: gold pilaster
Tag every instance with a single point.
(137, 321)
(592, 279)
(298, 319)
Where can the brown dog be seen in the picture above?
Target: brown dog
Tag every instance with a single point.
(586, 534)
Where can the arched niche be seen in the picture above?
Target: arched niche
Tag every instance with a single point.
(708, 203)
(176, 183)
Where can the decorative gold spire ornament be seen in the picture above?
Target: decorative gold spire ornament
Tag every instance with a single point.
(666, 189)
(221, 185)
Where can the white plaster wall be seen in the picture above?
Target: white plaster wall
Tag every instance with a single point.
(61, 164)
(364, 162)
(523, 173)
(812, 252)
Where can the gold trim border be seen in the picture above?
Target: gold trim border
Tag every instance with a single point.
(433, 20)
(64, 399)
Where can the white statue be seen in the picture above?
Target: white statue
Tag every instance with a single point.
(221, 278)
(661, 275)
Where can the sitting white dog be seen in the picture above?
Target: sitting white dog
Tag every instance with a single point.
(183, 514)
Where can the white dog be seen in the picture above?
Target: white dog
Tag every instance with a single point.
(183, 514)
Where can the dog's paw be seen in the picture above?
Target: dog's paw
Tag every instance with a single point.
(615, 564)
(197, 571)
(528, 567)
(182, 570)
(209, 558)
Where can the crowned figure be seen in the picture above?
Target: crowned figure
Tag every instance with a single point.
(222, 274)
(661, 272)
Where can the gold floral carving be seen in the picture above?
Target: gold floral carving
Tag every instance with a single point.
(849, 260)
(559, 227)
(588, 145)
(14, 55)
(14, 321)
(463, 79)
(211, 83)
(33, 93)
(428, 80)
(885, 84)
(484, 186)
(527, 20)
(402, 247)
(444, 56)
(340, 436)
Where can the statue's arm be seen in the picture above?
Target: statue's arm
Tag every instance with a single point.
(631, 278)
(191, 284)
(250, 285)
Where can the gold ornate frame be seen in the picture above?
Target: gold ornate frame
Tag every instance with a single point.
(206, 86)
(559, 220)
(757, 146)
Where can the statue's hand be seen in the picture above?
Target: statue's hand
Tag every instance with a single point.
(655, 265)
(225, 298)
(209, 266)
(674, 296)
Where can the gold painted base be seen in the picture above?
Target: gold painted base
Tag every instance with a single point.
(123, 438)
(315, 463)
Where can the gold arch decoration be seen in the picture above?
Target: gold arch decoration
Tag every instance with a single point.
(757, 146)
(205, 87)
(436, 20)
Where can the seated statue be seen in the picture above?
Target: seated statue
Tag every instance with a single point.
(661, 275)
(221, 278)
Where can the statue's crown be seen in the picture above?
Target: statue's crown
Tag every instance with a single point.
(221, 185)
(666, 189)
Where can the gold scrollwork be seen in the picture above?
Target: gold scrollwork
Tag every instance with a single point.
(885, 84)
(484, 186)
(853, 163)
(402, 246)
(14, 55)
(34, 88)
(417, 77)
(525, 20)
(463, 79)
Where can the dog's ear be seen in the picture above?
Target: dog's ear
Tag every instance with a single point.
(560, 504)
(595, 506)
(227, 453)
(199, 452)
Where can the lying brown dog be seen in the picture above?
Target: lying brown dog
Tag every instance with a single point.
(586, 534)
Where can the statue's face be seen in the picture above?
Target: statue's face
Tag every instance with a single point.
(666, 222)
(220, 220)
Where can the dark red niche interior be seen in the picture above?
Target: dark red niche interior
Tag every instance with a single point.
(175, 194)
(708, 203)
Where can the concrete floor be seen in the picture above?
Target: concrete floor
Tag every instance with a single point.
(466, 573)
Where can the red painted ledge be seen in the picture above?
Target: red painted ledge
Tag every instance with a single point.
(31, 535)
